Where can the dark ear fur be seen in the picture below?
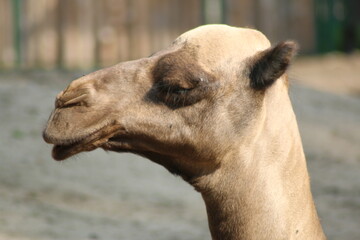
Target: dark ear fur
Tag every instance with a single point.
(270, 64)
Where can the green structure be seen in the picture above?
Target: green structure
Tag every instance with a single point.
(337, 25)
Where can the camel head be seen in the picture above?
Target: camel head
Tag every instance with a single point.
(183, 107)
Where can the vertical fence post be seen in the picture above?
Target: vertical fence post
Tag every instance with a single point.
(223, 11)
(17, 31)
(203, 11)
(213, 11)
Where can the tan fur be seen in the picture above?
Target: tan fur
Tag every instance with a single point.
(191, 108)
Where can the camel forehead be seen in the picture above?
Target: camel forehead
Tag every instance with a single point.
(222, 40)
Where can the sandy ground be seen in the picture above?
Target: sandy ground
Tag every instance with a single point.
(113, 196)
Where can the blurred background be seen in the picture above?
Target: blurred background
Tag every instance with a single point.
(44, 44)
(73, 34)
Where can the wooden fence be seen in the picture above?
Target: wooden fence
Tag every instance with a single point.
(73, 34)
(277, 19)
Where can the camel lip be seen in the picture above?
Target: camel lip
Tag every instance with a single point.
(98, 138)
(65, 148)
(63, 151)
(50, 139)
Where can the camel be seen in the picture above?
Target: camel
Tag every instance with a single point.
(213, 108)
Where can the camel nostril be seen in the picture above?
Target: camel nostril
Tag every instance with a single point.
(58, 103)
(71, 102)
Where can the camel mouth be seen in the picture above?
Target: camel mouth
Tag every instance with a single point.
(64, 150)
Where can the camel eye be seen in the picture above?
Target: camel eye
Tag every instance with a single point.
(173, 89)
(177, 93)
(179, 90)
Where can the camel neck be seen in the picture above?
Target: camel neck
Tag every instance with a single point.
(259, 196)
(261, 190)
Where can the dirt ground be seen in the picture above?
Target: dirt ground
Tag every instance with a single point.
(113, 196)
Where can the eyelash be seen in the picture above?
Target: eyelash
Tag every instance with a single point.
(179, 90)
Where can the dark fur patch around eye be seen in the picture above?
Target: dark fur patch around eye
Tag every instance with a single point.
(179, 81)
(269, 65)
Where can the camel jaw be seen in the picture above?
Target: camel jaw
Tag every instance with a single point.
(64, 149)
(62, 152)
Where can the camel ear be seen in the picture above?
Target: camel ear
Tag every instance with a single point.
(270, 64)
